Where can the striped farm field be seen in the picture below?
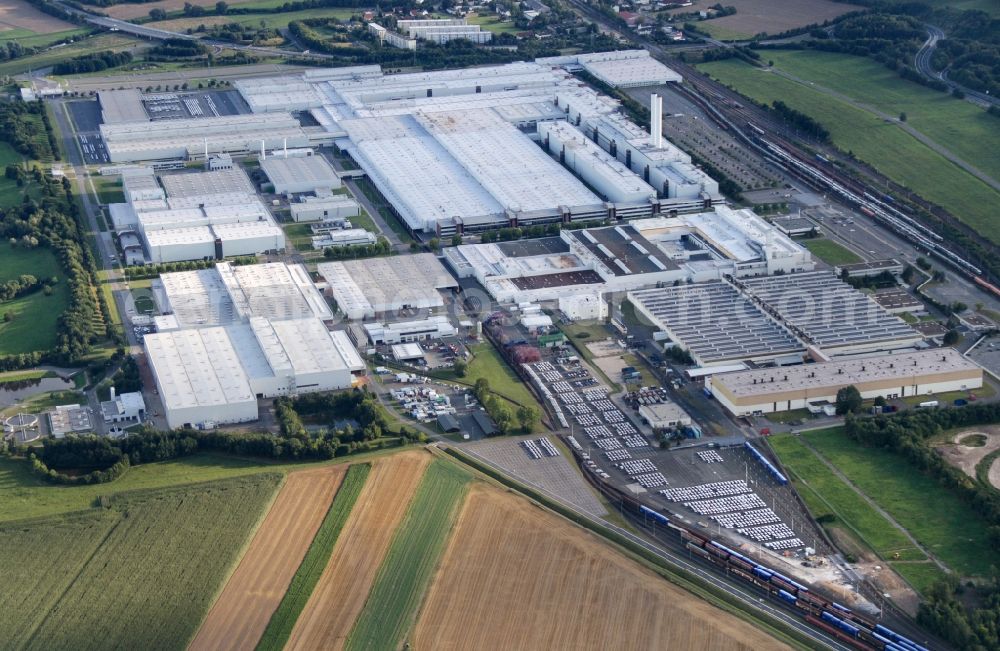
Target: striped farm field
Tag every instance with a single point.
(517, 577)
(339, 597)
(404, 575)
(241, 613)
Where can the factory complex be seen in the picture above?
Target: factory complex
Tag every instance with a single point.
(229, 336)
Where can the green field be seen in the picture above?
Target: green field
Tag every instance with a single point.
(28, 38)
(20, 376)
(882, 144)
(965, 129)
(721, 33)
(177, 22)
(920, 574)
(300, 235)
(137, 580)
(108, 188)
(414, 553)
(830, 252)
(35, 315)
(87, 45)
(283, 620)
(825, 493)
(944, 524)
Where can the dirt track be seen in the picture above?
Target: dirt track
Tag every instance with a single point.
(329, 615)
(965, 457)
(242, 611)
(517, 577)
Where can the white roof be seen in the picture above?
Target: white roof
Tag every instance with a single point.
(205, 183)
(313, 169)
(627, 68)
(382, 284)
(197, 368)
(406, 351)
(180, 236)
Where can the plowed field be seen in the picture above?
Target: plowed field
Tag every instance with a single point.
(341, 592)
(242, 611)
(517, 577)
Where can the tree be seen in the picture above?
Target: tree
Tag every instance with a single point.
(460, 367)
(848, 400)
(902, 117)
(434, 244)
(157, 14)
(456, 239)
(951, 337)
(221, 8)
(527, 417)
(879, 401)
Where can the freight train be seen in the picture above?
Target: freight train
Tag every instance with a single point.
(838, 621)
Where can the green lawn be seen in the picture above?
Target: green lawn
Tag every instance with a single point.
(964, 128)
(920, 574)
(884, 145)
(487, 363)
(283, 620)
(20, 376)
(10, 194)
(830, 252)
(409, 563)
(721, 33)
(942, 522)
(108, 188)
(152, 578)
(824, 493)
(300, 235)
(35, 315)
(492, 23)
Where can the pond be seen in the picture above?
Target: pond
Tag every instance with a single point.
(12, 393)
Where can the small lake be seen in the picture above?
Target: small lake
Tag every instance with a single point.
(12, 393)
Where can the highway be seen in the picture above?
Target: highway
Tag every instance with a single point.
(922, 62)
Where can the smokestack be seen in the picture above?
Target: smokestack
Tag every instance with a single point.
(285, 146)
(112, 394)
(206, 150)
(262, 155)
(656, 120)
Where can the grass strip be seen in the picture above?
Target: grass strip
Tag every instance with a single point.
(279, 628)
(414, 554)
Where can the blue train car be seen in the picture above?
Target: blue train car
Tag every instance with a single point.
(898, 639)
(761, 572)
(787, 596)
(659, 517)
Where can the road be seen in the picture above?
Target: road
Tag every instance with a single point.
(922, 62)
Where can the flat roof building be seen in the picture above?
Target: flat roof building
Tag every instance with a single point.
(899, 375)
(298, 174)
(121, 106)
(664, 415)
(69, 419)
(364, 288)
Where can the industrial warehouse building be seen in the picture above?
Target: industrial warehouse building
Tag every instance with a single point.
(198, 138)
(300, 174)
(363, 289)
(121, 106)
(901, 375)
(313, 209)
(442, 30)
(193, 216)
(233, 335)
(773, 319)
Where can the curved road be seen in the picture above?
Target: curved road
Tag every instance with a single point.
(922, 61)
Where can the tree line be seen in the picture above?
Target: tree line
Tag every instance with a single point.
(800, 121)
(23, 284)
(156, 270)
(353, 251)
(94, 62)
(500, 412)
(19, 128)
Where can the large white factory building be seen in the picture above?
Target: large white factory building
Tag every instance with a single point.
(232, 335)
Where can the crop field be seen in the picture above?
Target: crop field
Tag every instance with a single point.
(145, 584)
(28, 592)
(830, 252)
(22, 18)
(943, 523)
(882, 144)
(518, 571)
(402, 580)
(309, 571)
(761, 16)
(343, 589)
(253, 592)
(35, 315)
